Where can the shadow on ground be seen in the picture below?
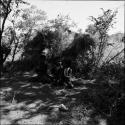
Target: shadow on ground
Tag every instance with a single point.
(25, 100)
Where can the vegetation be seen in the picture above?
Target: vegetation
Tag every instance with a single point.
(33, 47)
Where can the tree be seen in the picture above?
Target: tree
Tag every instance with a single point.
(52, 37)
(99, 29)
(62, 27)
(5, 11)
(80, 52)
(7, 7)
(30, 20)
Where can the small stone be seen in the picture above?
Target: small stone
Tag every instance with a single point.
(62, 107)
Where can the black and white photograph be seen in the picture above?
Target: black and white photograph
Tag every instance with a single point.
(62, 62)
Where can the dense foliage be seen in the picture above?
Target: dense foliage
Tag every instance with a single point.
(41, 45)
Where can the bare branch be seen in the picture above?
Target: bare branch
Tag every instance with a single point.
(116, 55)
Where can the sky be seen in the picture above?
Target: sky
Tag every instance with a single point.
(79, 11)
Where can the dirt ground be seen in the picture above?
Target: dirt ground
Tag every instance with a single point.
(26, 101)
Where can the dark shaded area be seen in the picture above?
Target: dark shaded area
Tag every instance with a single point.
(81, 43)
(88, 99)
(38, 80)
(61, 77)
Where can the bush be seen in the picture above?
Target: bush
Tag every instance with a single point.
(113, 70)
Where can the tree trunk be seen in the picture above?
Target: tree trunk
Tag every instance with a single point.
(8, 10)
(14, 52)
